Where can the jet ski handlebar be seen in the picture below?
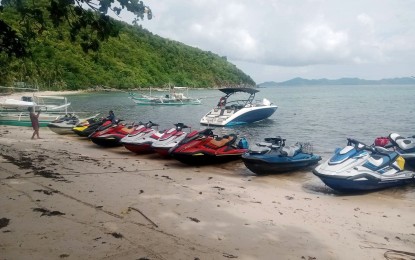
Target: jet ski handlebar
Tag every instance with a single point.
(180, 126)
(371, 148)
(358, 145)
(275, 140)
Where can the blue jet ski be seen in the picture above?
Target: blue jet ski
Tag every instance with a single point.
(359, 167)
(272, 156)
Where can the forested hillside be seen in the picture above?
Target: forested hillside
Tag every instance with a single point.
(136, 58)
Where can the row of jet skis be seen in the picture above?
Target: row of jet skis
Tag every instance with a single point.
(388, 162)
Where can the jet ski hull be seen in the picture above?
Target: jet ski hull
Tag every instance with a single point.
(359, 167)
(162, 151)
(265, 167)
(362, 182)
(140, 140)
(107, 141)
(201, 158)
(61, 130)
(139, 148)
(110, 135)
(85, 131)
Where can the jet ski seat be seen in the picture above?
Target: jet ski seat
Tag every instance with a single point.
(219, 142)
(406, 144)
(378, 161)
(290, 150)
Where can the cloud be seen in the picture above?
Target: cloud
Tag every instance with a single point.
(287, 34)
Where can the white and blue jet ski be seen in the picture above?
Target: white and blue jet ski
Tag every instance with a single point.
(359, 167)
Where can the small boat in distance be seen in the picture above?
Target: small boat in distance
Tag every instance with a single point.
(237, 112)
(174, 96)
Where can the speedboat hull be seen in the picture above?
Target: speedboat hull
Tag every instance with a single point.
(237, 112)
(230, 117)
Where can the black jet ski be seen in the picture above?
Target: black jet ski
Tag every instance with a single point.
(272, 156)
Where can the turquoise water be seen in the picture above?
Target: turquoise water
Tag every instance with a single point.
(322, 115)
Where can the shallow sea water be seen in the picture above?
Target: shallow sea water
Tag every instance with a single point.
(322, 115)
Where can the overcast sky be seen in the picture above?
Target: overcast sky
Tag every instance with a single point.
(276, 40)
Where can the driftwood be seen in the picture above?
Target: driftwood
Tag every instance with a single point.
(139, 211)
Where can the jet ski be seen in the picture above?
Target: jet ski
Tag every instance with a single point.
(141, 139)
(110, 135)
(64, 124)
(272, 156)
(170, 138)
(89, 126)
(405, 147)
(359, 167)
(203, 147)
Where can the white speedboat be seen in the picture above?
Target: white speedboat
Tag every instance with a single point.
(236, 112)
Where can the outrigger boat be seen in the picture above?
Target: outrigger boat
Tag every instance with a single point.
(236, 112)
(174, 96)
(15, 112)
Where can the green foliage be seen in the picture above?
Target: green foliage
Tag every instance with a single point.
(135, 58)
(87, 20)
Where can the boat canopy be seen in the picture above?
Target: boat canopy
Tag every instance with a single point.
(228, 91)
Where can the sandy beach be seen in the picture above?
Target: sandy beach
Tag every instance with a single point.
(63, 197)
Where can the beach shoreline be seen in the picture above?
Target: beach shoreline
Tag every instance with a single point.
(17, 95)
(65, 197)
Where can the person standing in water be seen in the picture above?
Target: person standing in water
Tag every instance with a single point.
(34, 118)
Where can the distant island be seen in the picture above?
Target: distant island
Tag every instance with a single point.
(342, 81)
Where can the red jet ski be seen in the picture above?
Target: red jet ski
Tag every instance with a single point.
(110, 136)
(140, 140)
(206, 148)
(169, 139)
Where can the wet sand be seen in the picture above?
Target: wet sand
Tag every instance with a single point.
(65, 197)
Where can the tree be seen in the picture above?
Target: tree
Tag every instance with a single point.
(88, 21)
